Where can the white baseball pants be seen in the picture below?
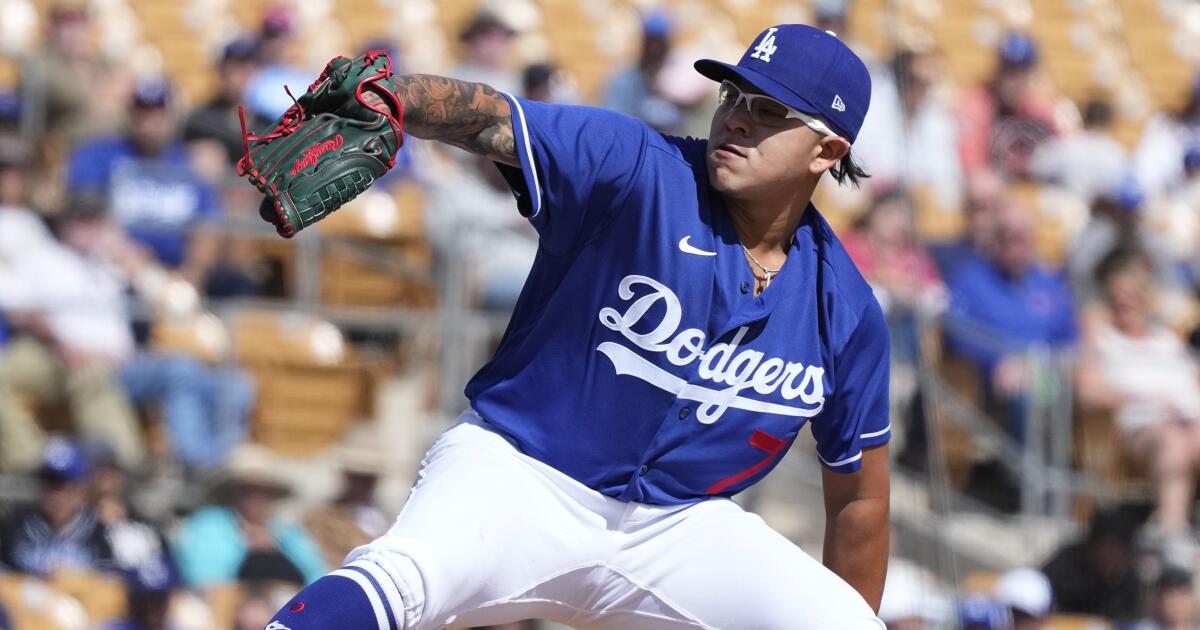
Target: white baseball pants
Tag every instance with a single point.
(490, 536)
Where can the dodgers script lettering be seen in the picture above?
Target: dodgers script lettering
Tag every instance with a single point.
(737, 369)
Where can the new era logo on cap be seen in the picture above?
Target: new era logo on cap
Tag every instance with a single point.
(805, 68)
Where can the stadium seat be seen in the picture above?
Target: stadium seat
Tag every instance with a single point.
(34, 604)
(102, 596)
(310, 386)
(979, 583)
(1064, 621)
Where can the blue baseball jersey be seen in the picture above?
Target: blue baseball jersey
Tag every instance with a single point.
(638, 360)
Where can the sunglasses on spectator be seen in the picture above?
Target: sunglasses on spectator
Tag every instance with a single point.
(767, 111)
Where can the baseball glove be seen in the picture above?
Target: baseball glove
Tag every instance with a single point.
(339, 137)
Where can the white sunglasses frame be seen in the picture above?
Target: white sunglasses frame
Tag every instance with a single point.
(810, 121)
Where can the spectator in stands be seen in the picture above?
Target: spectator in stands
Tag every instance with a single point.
(909, 135)
(139, 547)
(265, 96)
(1027, 595)
(635, 91)
(911, 599)
(1097, 576)
(355, 518)
(71, 333)
(59, 81)
(487, 41)
(246, 539)
(1087, 162)
(831, 15)
(1141, 372)
(213, 129)
(148, 591)
(72, 295)
(5, 621)
(1174, 221)
(545, 82)
(61, 532)
(1117, 220)
(1001, 123)
(977, 612)
(883, 246)
(1159, 154)
(1002, 304)
(986, 191)
(153, 191)
(1173, 603)
(474, 232)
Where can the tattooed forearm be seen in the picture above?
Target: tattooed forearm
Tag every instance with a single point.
(471, 116)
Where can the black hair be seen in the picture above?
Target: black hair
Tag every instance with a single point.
(1120, 258)
(848, 169)
(1097, 112)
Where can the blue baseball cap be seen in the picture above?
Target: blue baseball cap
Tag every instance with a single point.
(976, 612)
(152, 92)
(64, 460)
(1018, 50)
(1127, 193)
(1191, 157)
(805, 68)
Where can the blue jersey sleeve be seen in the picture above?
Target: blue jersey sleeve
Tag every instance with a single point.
(856, 416)
(578, 166)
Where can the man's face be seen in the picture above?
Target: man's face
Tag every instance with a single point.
(151, 128)
(61, 501)
(751, 160)
(12, 186)
(235, 75)
(1014, 251)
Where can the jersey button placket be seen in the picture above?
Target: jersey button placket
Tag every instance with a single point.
(684, 413)
(744, 287)
(643, 470)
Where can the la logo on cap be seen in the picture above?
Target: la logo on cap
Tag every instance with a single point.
(766, 47)
(838, 104)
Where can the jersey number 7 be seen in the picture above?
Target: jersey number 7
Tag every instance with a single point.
(762, 441)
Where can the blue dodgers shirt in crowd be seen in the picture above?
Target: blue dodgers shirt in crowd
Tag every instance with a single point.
(156, 199)
(638, 360)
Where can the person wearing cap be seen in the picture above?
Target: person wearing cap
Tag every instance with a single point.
(1158, 157)
(689, 311)
(276, 45)
(977, 612)
(61, 531)
(354, 518)
(60, 82)
(245, 537)
(487, 41)
(70, 332)
(1002, 122)
(152, 190)
(149, 589)
(1088, 161)
(1026, 593)
(216, 122)
(634, 91)
(1118, 220)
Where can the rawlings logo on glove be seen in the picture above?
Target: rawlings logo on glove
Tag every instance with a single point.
(305, 180)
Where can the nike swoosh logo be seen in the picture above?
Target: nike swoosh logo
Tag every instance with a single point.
(686, 247)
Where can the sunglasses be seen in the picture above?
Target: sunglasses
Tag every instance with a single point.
(767, 111)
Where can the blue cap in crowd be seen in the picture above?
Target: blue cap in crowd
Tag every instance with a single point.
(10, 107)
(152, 92)
(155, 575)
(64, 460)
(1127, 193)
(240, 49)
(1191, 157)
(1018, 50)
(981, 613)
(657, 23)
(805, 68)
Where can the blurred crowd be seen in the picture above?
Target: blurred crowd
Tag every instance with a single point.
(1009, 218)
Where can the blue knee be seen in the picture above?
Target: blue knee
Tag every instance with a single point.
(350, 598)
